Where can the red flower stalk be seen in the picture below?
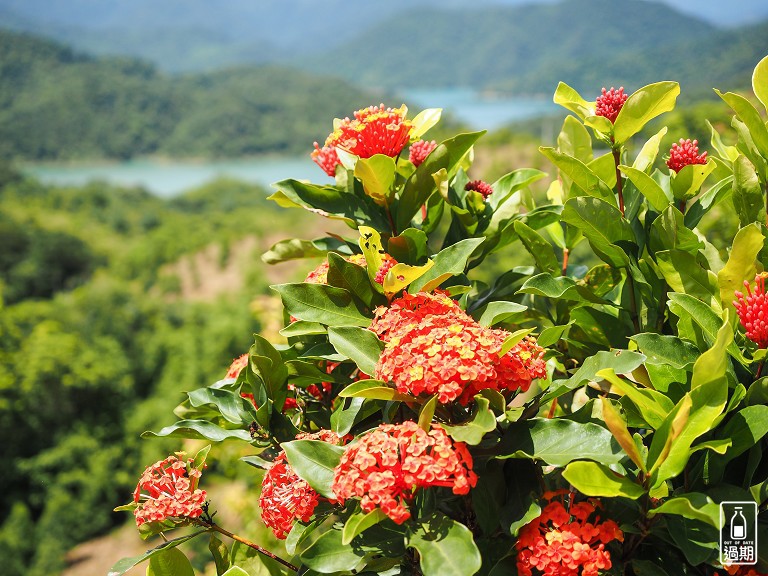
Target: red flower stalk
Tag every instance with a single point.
(386, 265)
(285, 497)
(564, 542)
(387, 466)
(420, 150)
(610, 102)
(753, 311)
(326, 158)
(685, 153)
(167, 489)
(479, 186)
(374, 130)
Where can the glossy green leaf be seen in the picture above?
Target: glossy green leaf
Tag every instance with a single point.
(265, 362)
(328, 554)
(314, 461)
(688, 181)
(574, 140)
(199, 430)
(620, 361)
(760, 81)
(425, 120)
(236, 571)
(427, 412)
(664, 349)
(648, 187)
(653, 405)
(581, 175)
(744, 429)
(668, 433)
(741, 263)
(514, 181)
(320, 303)
(749, 115)
(354, 279)
(358, 344)
(647, 155)
(605, 168)
(374, 389)
(500, 311)
(541, 250)
(618, 428)
(409, 247)
(684, 274)
(558, 442)
(513, 339)
(708, 200)
(122, 566)
(643, 106)
(560, 287)
(593, 479)
(669, 232)
(295, 248)
(302, 328)
(170, 562)
(359, 522)
(377, 174)
(445, 547)
(747, 194)
(570, 99)
(451, 260)
(229, 404)
(481, 422)
(693, 505)
(684, 305)
(603, 226)
(220, 554)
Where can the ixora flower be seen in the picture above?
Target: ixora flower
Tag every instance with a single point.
(740, 570)
(610, 102)
(237, 366)
(420, 150)
(320, 274)
(167, 489)
(752, 309)
(479, 186)
(386, 265)
(564, 541)
(684, 153)
(386, 467)
(285, 497)
(327, 158)
(374, 130)
(433, 347)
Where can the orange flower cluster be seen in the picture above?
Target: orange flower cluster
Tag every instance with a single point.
(386, 467)
(434, 347)
(167, 489)
(285, 497)
(564, 542)
(737, 570)
(753, 311)
(374, 130)
(237, 366)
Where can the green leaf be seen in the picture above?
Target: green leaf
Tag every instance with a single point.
(669, 350)
(230, 404)
(409, 247)
(265, 362)
(199, 430)
(374, 389)
(668, 433)
(358, 344)
(513, 339)
(618, 428)
(446, 548)
(741, 263)
(760, 81)
(541, 250)
(314, 461)
(481, 422)
(377, 174)
(302, 328)
(320, 303)
(559, 288)
(354, 279)
(170, 562)
(747, 195)
(684, 305)
(500, 311)
(593, 479)
(744, 429)
(711, 198)
(558, 442)
(684, 274)
(749, 115)
(694, 506)
(605, 168)
(400, 276)
(603, 226)
(220, 554)
(648, 187)
(359, 522)
(647, 155)
(653, 405)
(687, 183)
(643, 106)
(328, 554)
(570, 99)
(425, 120)
(581, 175)
(420, 185)
(450, 261)
(669, 231)
(427, 413)
(295, 248)
(236, 571)
(514, 181)
(574, 140)
(122, 566)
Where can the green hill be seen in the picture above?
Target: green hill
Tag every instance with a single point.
(58, 104)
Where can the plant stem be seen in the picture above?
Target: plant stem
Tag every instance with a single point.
(633, 302)
(566, 253)
(210, 525)
(759, 369)
(391, 221)
(682, 206)
(619, 185)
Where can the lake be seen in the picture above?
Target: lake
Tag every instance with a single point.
(168, 178)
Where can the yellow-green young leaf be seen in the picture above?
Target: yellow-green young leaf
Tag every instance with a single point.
(451, 261)
(643, 106)
(618, 428)
(377, 174)
(747, 193)
(605, 168)
(601, 125)
(359, 522)
(401, 276)
(593, 479)
(647, 156)
(741, 264)
(729, 153)
(603, 226)
(426, 413)
(687, 183)
(760, 81)
(374, 389)
(749, 115)
(581, 175)
(425, 120)
(684, 274)
(370, 244)
(653, 405)
(668, 433)
(648, 187)
(511, 340)
(570, 99)
(575, 140)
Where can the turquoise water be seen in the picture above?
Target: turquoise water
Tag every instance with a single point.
(168, 178)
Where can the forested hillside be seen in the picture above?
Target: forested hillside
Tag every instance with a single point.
(58, 104)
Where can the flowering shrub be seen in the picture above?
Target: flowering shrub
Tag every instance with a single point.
(584, 413)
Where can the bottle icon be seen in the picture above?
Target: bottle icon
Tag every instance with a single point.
(738, 525)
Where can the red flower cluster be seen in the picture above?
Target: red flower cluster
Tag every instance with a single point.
(386, 467)
(285, 497)
(685, 153)
(610, 102)
(563, 542)
(420, 150)
(320, 274)
(434, 347)
(237, 366)
(753, 311)
(167, 489)
(374, 130)
(386, 265)
(327, 158)
(741, 570)
(479, 186)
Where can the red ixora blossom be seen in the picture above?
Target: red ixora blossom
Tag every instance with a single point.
(684, 153)
(741, 570)
(479, 186)
(420, 150)
(610, 102)
(327, 158)
(753, 311)
(386, 265)
(285, 497)
(563, 541)
(374, 130)
(237, 366)
(434, 347)
(386, 467)
(168, 489)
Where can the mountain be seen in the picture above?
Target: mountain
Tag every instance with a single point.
(56, 103)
